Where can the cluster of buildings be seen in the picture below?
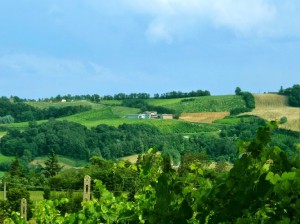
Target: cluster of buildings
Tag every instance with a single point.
(150, 115)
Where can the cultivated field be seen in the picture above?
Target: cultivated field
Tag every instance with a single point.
(204, 117)
(273, 106)
(201, 104)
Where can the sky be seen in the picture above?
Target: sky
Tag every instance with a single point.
(76, 47)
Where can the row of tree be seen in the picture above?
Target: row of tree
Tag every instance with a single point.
(119, 96)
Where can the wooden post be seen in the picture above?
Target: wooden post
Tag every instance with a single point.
(24, 209)
(4, 191)
(87, 188)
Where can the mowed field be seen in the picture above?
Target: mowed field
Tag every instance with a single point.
(204, 117)
(273, 106)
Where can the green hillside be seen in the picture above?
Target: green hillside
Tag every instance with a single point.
(201, 104)
(111, 113)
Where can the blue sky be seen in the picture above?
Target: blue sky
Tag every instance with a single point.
(74, 47)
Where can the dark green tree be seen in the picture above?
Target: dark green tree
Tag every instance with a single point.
(52, 166)
(238, 91)
(16, 169)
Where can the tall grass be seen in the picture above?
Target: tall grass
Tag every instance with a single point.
(273, 107)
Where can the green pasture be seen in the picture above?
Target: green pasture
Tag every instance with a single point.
(1, 175)
(5, 159)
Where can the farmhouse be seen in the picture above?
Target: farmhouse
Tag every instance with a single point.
(149, 115)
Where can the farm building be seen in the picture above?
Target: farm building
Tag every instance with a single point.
(150, 115)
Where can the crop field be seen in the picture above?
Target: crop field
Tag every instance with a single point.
(201, 104)
(273, 106)
(204, 117)
(44, 105)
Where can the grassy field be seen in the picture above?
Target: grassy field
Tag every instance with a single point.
(6, 158)
(204, 117)
(273, 106)
(66, 162)
(44, 105)
(2, 133)
(201, 104)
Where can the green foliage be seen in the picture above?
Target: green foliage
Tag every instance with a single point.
(293, 94)
(262, 187)
(249, 102)
(7, 119)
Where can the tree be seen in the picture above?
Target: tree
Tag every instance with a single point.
(16, 168)
(51, 165)
(238, 91)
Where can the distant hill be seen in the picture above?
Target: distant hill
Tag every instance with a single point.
(205, 109)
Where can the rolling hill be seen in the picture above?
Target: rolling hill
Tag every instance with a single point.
(205, 109)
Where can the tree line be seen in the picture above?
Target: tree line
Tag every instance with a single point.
(96, 98)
